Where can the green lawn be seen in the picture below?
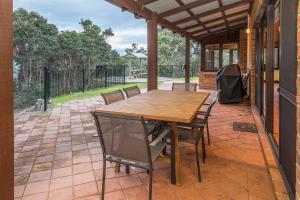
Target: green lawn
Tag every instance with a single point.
(91, 93)
(192, 78)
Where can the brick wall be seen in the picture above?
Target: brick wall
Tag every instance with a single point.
(251, 64)
(207, 80)
(243, 51)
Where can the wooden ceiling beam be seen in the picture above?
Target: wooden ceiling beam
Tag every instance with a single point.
(138, 9)
(234, 28)
(217, 19)
(212, 12)
(192, 14)
(145, 2)
(223, 14)
(218, 25)
(185, 7)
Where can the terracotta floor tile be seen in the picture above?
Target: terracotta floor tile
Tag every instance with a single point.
(59, 144)
(86, 189)
(60, 172)
(19, 190)
(136, 193)
(39, 176)
(83, 167)
(61, 194)
(37, 187)
(83, 178)
(117, 195)
(93, 197)
(110, 185)
(129, 181)
(61, 182)
(40, 196)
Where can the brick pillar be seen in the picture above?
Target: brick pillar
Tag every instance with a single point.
(243, 51)
(251, 63)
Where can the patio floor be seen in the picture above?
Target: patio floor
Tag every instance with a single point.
(56, 157)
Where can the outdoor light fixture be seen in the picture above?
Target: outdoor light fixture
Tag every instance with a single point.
(248, 31)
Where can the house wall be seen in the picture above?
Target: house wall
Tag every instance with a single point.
(243, 50)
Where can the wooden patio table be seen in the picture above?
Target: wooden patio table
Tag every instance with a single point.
(162, 105)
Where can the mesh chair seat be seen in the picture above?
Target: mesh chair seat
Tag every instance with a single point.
(188, 135)
(155, 152)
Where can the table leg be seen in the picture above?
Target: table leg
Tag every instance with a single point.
(175, 157)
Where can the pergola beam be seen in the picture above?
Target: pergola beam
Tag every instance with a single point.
(187, 58)
(217, 19)
(217, 25)
(233, 29)
(184, 7)
(152, 52)
(223, 14)
(137, 8)
(211, 12)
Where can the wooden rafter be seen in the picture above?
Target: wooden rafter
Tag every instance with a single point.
(217, 25)
(135, 7)
(223, 14)
(185, 7)
(192, 14)
(233, 28)
(217, 19)
(145, 2)
(211, 12)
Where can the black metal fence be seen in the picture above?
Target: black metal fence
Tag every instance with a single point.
(66, 81)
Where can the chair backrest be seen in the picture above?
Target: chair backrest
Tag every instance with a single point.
(123, 137)
(132, 91)
(211, 104)
(190, 87)
(111, 97)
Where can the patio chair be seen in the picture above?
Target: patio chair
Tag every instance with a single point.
(112, 97)
(124, 140)
(132, 91)
(154, 127)
(205, 114)
(189, 87)
(193, 136)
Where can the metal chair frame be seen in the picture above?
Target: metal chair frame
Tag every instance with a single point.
(148, 166)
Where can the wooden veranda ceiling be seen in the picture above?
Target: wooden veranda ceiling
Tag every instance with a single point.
(197, 18)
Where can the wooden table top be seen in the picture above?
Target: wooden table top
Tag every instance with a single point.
(160, 105)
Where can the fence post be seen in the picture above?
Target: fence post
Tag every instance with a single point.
(83, 80)
(124, 74)
(105, 76)
(46, 86)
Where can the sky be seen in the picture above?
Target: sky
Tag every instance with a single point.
(66, 15)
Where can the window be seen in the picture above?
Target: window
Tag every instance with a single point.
(230, 54)
(212, 57)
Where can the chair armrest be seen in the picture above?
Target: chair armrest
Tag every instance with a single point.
(160, 137)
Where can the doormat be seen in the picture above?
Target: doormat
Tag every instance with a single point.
(245, 127)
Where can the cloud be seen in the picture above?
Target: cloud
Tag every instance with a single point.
(66, 15)
(124, 38)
